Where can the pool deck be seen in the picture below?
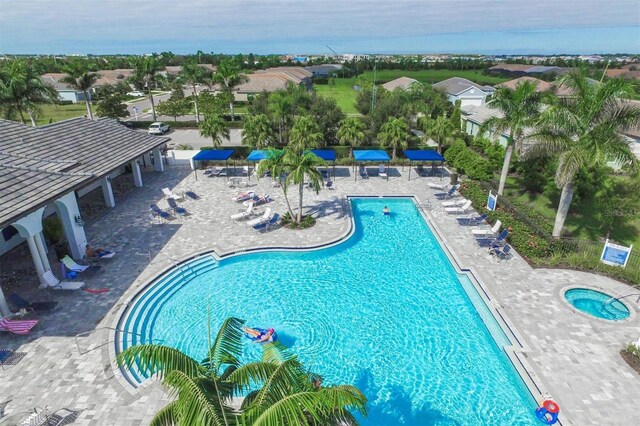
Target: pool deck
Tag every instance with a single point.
(571, 356)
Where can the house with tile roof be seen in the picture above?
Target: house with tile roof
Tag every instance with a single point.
(465, 91)
(402, 83)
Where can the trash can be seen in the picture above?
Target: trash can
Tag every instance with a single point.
(454, 179)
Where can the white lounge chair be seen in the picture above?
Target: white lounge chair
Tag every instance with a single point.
(246, 213)
(459, 210)
(167, 193)
(265, 217)
(488, 232)
(382, 171)
(440, 186)
(52, 282)
(454, 203)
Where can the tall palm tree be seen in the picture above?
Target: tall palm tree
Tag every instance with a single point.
(79, 78)
(146, 71)
(21, 90)
(395, 134)
(441, 129)
(305, 134)
(281, 107)
(585, 129)
(257, 132)
(274, 163)
(228, 76)
(519, 109)
(302, 165)
(352, 133)
(215, 128)
(201, 388)
(193, 74)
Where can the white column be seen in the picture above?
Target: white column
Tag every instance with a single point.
(157, 160)
(74, 233)
(35, 255)
(42, 252)
(4, 308)
(147, 159)
(137, 175)
(107, 192)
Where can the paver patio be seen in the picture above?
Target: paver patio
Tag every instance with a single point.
(572, 356)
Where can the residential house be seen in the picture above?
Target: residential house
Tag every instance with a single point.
(465, 91)
(65, 92)
(272, 79)
(324, 70)
(403, 83)
(519, 70)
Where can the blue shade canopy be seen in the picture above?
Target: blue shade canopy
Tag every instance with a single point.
(325, 154)
(213, 155)
(371, 155)
(423, 155)
(257, 155)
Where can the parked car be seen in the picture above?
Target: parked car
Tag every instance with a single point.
(158, 128)
(136, 94)
(127, 124)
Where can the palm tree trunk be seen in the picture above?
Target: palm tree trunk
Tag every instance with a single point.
(195, 101)
(153, 106)
(32, 117)
(231, 109)
(286, 199)
(505, 168)
(300, 192)
(21, 114)
(86, 101)
(394, 153)
(563, 209)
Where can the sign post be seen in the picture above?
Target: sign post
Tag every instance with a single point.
(492, 201)
(615, 255)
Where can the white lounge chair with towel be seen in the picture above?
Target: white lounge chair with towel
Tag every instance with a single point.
(52, 282)
(72, 265)
(246, 213)
(459, 210)
(167, 193)
(440, 186)
(454, 203)
(265, 217)
(493, 231)
(382, 171)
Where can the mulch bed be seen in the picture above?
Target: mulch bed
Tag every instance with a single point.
(632, 360)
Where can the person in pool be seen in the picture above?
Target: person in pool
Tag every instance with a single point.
(266, 337)
(386, 211)
(258, 336)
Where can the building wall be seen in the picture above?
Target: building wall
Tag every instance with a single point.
(472, 129)
(466, 100)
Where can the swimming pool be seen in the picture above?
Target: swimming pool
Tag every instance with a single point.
(597, 304)
(384, 310)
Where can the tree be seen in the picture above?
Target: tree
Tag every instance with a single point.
(395, 134)
(193, 74)
(305, 134)
(351, 133)
(585, 129)
(274, 163)
(80, 79)
(441, 129)
(257, 132)
(21, 90)
(174, 108)
(215, 128)
(228, 76)
(328, 115)
(146, 71)
(112, 107)
(300, 165)
(519, 109)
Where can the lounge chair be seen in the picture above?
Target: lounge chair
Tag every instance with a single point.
(266, 225)
(498, 241)
(329, 185)
(71, 265)
(222, 172)
(459, 210)
(503, 252)
(245, 170)
(449, 194)
(192, 195)
(363, 172)
(264, 218)
(19, 302)
(472, 221)
(214, 171)
(17, 326)
(454, 203)
(243, 196)
(491, 232)
(9, 357)
(258, 200)
(382, 171)
(422, 172)
(440, 186)
(244, 214)
(170, 195)
(180, 211)
(159, 212)
(52, 282)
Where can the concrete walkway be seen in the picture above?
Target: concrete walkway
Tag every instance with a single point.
(572, 356)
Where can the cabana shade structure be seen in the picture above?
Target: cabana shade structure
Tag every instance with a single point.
(258, 155)
(327, 155)
(362, 156)
(213, 155)
(422, 155)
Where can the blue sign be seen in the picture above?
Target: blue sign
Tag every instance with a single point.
(615, 255)
(492, 201)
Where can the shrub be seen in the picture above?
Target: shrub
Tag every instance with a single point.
(307, 222)
(479, 169)
(452, 152)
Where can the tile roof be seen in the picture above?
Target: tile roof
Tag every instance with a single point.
(403, 82)
(40, 164)
(542, 85)
(456, 85)
(265, 82)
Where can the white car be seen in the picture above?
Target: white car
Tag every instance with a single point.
(136, 94)
(158, 128)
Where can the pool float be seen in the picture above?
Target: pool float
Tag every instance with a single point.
(262, 331)
(547, 413)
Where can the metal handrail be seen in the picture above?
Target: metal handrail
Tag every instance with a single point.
(86, 333)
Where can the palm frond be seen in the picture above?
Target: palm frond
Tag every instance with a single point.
(274, 352)
(167, 416)
(254, 372)
(227, 346)
(158, 359)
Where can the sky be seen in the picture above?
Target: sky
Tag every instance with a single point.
(309, 26)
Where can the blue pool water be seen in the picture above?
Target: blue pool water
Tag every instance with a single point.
(597, 304)
(384, 310)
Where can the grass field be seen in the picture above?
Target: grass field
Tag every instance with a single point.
(52, 113)
(345, 96)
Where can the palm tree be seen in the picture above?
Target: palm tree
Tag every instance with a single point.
(290, 395)
(395, 134)
(280, 107)
(257, 132)
(305, 134)
(351, 133)
(519, 109)
(585, 129)
(215, 128)
(441, 129)
(146, 71)
(302, 165)
(228, 76)
(201, 388)
(193, 74)
(274, 163)
(21, 90)
(79, 78)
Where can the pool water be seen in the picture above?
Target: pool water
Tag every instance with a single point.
(384, 310)
(597, 304)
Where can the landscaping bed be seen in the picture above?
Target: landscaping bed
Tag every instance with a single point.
(631, 358)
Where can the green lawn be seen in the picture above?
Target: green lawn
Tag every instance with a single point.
(342, 92)
(52, 113)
